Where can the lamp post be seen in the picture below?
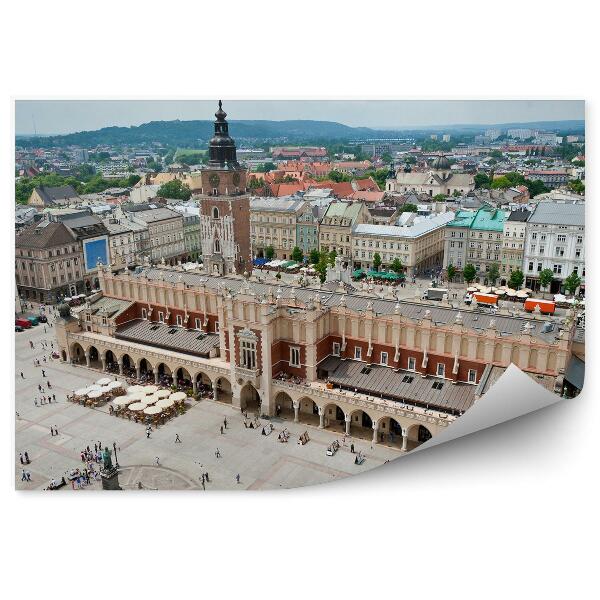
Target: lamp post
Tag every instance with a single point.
(116, 458)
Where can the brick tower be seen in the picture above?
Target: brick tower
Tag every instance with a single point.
(224, 206)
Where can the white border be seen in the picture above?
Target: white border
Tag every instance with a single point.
(505, 513)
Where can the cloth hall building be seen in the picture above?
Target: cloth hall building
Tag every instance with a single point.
(375, 368)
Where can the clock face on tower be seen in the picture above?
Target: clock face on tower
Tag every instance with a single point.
(236, 179)
(214, 180)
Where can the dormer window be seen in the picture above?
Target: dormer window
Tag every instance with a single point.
(215, 210)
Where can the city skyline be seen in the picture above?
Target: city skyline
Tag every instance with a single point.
(57, 117)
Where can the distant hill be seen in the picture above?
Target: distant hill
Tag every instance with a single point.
(194, 134)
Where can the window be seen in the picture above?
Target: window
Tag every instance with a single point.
(562, 238)
(530, 266)
(216, 326)
(472, 377)
(441, 370)
(179, 320)
(336, 349)
(384, 358)
(144, 313)
(294, 357)
(217, 246)
(357, 352)
(412, 363)
(161, 317)
(197, 323)
(557, 269)
(104, 321)
(248, 354)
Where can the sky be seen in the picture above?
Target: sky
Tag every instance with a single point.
(67, 116)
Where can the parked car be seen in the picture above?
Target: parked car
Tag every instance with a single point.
(33, 320)
(43, 319)
(18, 329)
(24, 323)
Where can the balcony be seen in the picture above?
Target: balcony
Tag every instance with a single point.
(251, 375)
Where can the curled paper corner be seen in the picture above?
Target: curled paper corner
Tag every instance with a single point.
(513, 395)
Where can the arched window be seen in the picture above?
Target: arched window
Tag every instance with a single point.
(217, 246)
(215, 212)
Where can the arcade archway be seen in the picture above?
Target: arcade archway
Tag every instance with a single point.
(361, 425)
(250, 399)
(223, 391)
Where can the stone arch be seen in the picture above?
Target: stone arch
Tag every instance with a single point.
(111, 361)
(182, 378)
(223, 391)
(145, 369)
(203, 384)
(284, 405)
(164, 374)
(334, 417)
(250, 398)
(417, 434)
(361, 424)
(128, 365)
(77, 354)
(63, 355)
(95, 362)
(389, 432)
(308, 411)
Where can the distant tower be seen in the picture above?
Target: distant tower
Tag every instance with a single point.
(224, 205)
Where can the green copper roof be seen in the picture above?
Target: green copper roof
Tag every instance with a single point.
(485, 219)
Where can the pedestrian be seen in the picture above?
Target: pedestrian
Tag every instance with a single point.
(35, 402)
(147, 433)
(202, 478)
(218, 453)
(237, 477)
(55, 430)
(49, 386)
(22, 462)
(225, 422)
(27, 458)
(203, 486)
(177, 440)
(51, 431)
(22, 376)
(156, 461)
(44, 372)
(207, 479)
(23, 476)
(352, 448)
(53, 397)
(28, 475)
(221, 429)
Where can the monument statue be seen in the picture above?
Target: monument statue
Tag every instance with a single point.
(64, 310)
(106, 460)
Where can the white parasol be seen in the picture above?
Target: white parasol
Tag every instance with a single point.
(137, 395)
(153, 410)
(92, 388)
(135, 388)
(150, 389)
(81, 392)
(136, 406)
(151, 399)
(123, 400)
(178, 396)
(162, 394)
(95, 394)
(165, 403)
(472, 289)
(511, 293)
(113, 385)
(522, 294)
(104, 381)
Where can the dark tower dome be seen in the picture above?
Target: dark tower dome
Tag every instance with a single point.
(440, 163)
(221, 148)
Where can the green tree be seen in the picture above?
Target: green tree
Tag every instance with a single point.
(469, 272)
(175, 190)
(546, 277)
(254, 183)
(493, 273)
(297, 254)
(314, 256)
(408, 207)
(331, 257)
(577, 186)
(269, 252)
(376, 261)
(338, 176)
(451, 272)
(482, 181)
(396, 265)
(572, 282)
(266, 167)
(439, 198)
(536, 187)
(516, 279)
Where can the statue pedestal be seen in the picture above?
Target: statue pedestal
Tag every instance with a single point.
(110, 479)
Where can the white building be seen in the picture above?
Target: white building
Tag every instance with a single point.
(555, 240)
(520, 133)
(419, 244)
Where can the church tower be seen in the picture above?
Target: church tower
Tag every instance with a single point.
(224, 206)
